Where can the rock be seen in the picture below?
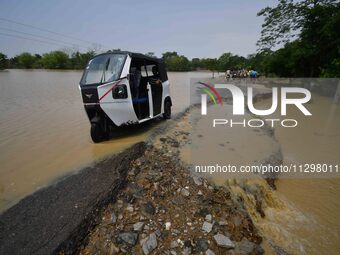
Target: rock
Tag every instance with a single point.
(199, 193)
(187, 243)
(180, 242)
(128, 237)
(185, 192)
(223, 241)
(175, 232)
(138, 226)
(203, 212)
(259, 250)
(207, 227)
(129, 208)
(167, 225)
(114, 249)
(245, 247)
(113, 218)
(202, 245)
(173, 252)
(209, 252)
(149, 244)
(208, 217)
(148, 208)
(222, 223)
(158, 232)
(136, 190)
(186, 251)
(120, 202)
(197, 180)
(173, 244)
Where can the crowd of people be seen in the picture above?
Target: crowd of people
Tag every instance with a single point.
(242, 73)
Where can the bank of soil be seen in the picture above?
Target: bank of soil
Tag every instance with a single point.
(165, 210)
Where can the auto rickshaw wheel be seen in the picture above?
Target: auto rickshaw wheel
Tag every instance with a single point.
(167, 110)
(97, 133)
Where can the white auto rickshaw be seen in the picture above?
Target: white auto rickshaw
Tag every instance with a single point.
(123, 88)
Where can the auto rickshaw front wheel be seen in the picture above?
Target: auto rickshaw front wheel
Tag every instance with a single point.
(97, 133)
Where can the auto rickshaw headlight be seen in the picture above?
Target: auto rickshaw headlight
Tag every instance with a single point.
(120, 92)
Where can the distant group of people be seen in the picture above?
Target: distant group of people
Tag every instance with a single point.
(242, 73)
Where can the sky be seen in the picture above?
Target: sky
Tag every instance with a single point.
(192, 28)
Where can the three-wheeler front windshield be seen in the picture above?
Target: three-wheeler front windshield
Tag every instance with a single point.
(103, 69)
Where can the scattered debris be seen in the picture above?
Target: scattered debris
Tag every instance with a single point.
(168, 211)
(223, 241)
(207, 227)
(149, 244)
(138, 226)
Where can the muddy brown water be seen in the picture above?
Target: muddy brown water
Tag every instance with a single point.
(44, 132)
(308, 219)
(302, 215)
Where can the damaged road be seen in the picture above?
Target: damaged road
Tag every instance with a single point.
(166, 210)
(58, 217)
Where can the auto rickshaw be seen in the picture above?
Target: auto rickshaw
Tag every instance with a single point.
(123, 88)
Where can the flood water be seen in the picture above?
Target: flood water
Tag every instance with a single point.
(302, 215)
(44, 131)
(44, 135)
(309, 221)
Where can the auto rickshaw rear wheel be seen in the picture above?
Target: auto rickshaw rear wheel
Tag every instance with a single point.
(97, 133)
(167, 110)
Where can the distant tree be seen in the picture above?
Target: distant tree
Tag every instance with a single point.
(314, 25)
(26, 60)
(3, 61)
(212, 65)
(13, 62)
(174, 62)
(224, 61)
(55, 60)
(196, 63)
(79, 60)
(261, 62)
(37, 63)
(169, 54)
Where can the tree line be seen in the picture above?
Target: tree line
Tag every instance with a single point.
(52, 60)
(306, 32)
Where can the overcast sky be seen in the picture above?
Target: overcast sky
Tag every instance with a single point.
(192, 28)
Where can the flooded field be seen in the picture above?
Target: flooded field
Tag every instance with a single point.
(44, 131)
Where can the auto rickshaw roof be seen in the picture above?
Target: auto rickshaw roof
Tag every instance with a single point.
(133, 55)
